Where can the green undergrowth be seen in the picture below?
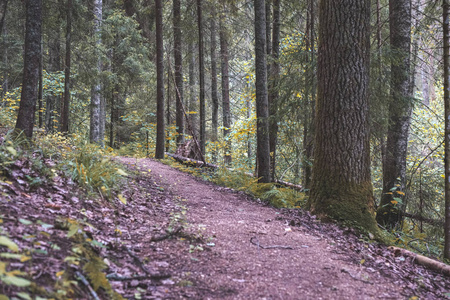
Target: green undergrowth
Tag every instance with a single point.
(46, 161)
(279, 197)
(70, 248)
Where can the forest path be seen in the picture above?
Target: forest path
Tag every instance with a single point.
(236, 268)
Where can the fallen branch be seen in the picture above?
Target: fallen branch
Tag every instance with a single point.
(269, 247)
(116, 277)
(199, 163)
(166, 236)
(144, 269)
(355, 277)
(427, 262)
(434, 222)
(87, 284)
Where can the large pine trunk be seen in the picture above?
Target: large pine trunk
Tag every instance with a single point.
(341, 185)
(389, 213)
(33, 26)
(262, 104)
(160, 128)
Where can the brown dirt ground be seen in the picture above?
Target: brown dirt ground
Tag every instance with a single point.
(249, 258)
(179, 237)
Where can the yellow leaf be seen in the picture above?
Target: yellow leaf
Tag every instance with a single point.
(59, 274)
(362, 261)
(11, 150)
(122, 199)
(6, 241)
(400, 193)
(394, 202)
(121, 172)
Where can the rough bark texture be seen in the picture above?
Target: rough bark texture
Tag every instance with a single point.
(33, 26)
(201, 74)
(446, 27)
(226, 114)
(192, 105)
(400, 109)
(262, 105)
(177, 53)
(160, 136)
(341, 185)
(214, 94)
(273, 89)
(96, 101)
(66, 101)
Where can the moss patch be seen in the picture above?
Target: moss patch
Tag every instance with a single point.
(351, 205)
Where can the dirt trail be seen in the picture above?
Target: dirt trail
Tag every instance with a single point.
(250, 258)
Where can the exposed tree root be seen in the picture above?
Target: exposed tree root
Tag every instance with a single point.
(427, 262)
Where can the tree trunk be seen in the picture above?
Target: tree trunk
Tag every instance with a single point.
(310, 96)
(201, 73)
(446, 29)
(341, 185)
(400, 109)
(27, 108)
(177, 52)
(262, 105)
(96, 97)
(214, 94)
(66, 101)
(41, 89)
(3, 7)
(168, 118)
(159, 151)
(273, 88)
(192, 105)
(52, 102)
(226, 114)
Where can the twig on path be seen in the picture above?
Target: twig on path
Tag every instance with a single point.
(166, 236)
(116, 277)
(354, 277)
(269, 247)
(87, 284)
(144, 269)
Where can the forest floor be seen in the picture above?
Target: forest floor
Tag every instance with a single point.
(179, 237)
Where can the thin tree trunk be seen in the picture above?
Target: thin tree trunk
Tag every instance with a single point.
(214, 94)
(341, 186)
(177, 52)
(40, 90)
(262, 105)
(273, 89)
(446, 29)
(3, 7)
(192, 106)
(66, 102)
(27, 108)
(389, 213)
(52, 102)
(168, 119)
(226, 114)
(310, 96)
(96, 135)
(201, 65)
(159, 151)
